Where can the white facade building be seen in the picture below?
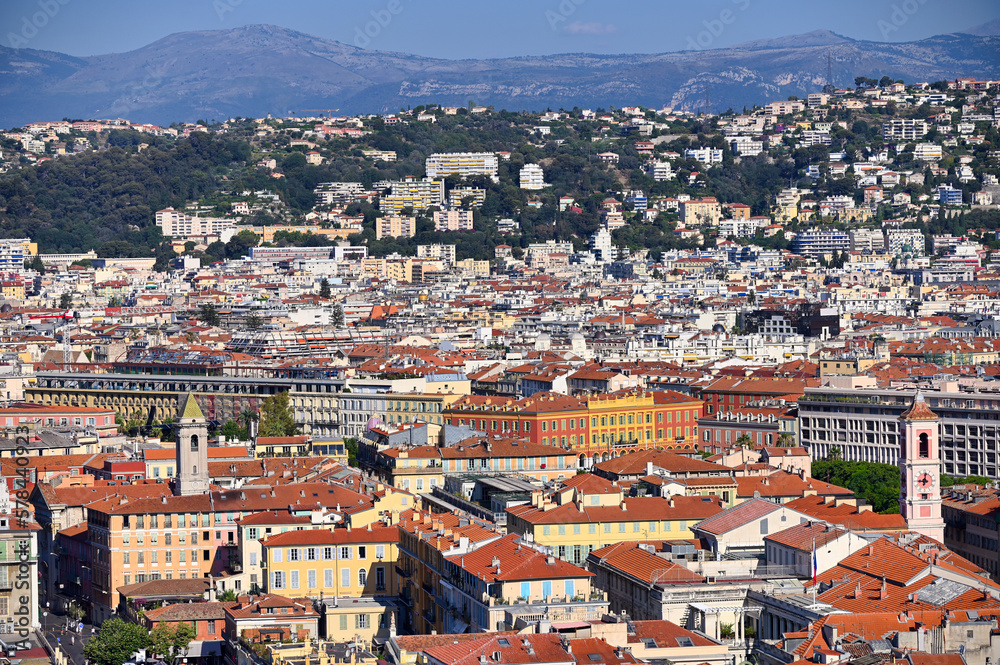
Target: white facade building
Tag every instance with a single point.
(463, 164)
(532, 177)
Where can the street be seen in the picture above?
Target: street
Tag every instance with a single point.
(54, 626)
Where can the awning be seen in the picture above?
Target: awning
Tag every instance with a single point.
(204, 648)
(570, 625)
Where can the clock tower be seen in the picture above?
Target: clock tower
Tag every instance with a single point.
(920, 464)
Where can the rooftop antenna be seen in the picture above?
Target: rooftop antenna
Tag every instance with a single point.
(829, 87)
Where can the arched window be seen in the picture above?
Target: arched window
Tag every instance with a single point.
(925, 446)
(194, 442)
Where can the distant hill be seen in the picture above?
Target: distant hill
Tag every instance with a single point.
(261, 69)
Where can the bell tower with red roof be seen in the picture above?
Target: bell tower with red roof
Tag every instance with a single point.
(920, 464)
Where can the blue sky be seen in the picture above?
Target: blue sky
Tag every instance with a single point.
(478, 29)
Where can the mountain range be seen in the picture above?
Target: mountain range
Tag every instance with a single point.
(259, 69)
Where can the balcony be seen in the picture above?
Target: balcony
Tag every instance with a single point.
(406, 600)
(429, 615)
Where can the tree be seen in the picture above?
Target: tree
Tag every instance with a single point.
(276, 416)
(744, 441)
(227, 596)
(209, 315)
(351, 444)
(324, 288)
(877, 484)
(35, 264)
(254, 321)
(115, 643)
(337, 317)
(66, 301)
(169, 641)
(247, 419)
(835, 453)
(232, 430)
(786, 440)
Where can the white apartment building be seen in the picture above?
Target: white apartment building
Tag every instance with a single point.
(330, 193)
(176, 224)
(660, 171)
(910, 241)
(453, 220)
(704, 155)
(867, 241)
(813, 137)
(532, 177)
(458, 194)
(411, 193)
(904, 129)
(741, 228)
(784, 108)
(14, 251)
(603, 247)
(744, 146)
(440, 252)
(928, 152)
(817, 99)
(463, 164)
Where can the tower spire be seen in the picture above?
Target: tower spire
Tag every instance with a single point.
(192, 448)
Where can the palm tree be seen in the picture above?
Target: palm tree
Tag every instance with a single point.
(744, 441)
(835, 453)
(247, 419)
(786, 440)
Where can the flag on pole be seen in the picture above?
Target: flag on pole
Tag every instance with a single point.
(815, 565)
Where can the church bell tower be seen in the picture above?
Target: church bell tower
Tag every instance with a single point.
(192, 449)
(920, 467)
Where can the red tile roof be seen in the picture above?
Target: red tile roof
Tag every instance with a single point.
(516, 562)
(631, 559)
(737, 516)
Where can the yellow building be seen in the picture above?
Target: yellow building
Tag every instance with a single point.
(395, 226)
(400, 270)
(410, 407)
(417, 469)
(477, 268)
(12, 289)
(642, 420)
(589, 512)
(283, 446)
(386, 501)
(341, 562)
